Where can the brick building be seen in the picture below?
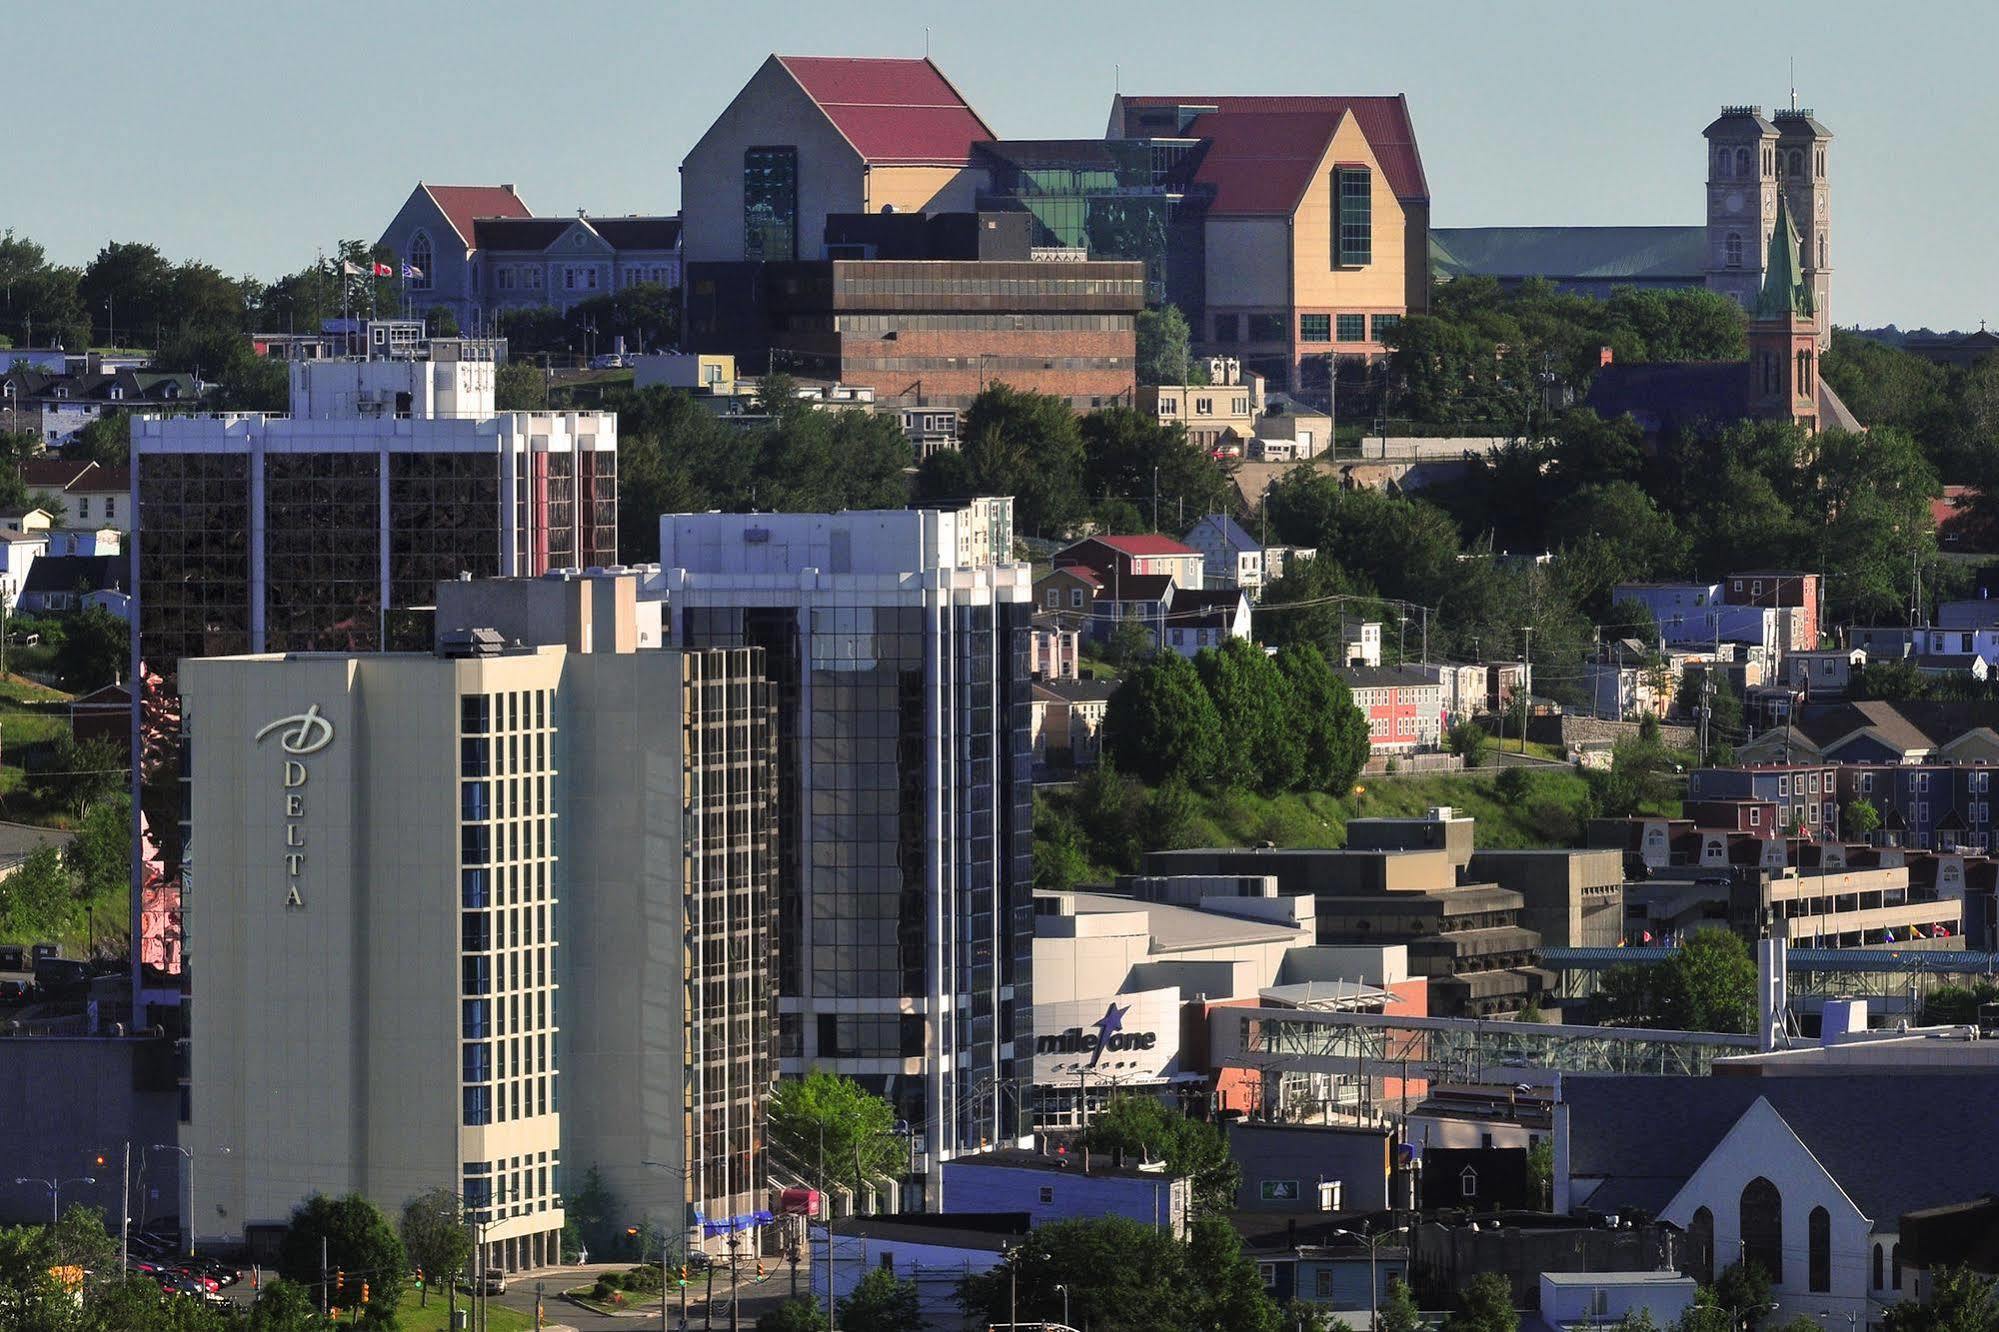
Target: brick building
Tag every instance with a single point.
(1404, 706)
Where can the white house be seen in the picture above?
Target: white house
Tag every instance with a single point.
(18, 552)
(1205, 618)
(1231, 556)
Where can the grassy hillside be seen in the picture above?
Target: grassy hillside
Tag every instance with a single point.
(1087, 833)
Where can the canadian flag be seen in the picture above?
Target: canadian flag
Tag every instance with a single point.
(384, 270)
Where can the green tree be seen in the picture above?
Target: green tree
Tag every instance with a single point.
(1955, 1005)
(1632, 618)
(1960, 1300)
(794, 1315)
(1027, 445)
(81, 773)
(1860, 819)
(1061, 856)
(1471, 742)
(100, 855)
(829, 1124)
(96, 650)
(520, 386)
(284, 1306)
(881, 1302)
(439, 322)
(1124, 1276)
(645, 315)
(435, 1236)
(1398, 1311)
(597, 1213)
(1259, 741)
(358, 1239)
(1130, 642)
(38, 898)
(1708, 984)
(105, 440)
(1161, 723)
(1131, 457)
(1485, 1306)
(1895, 681)
(1162, 346)
(1541, 1163)
(1331, 729)
(1146, 1128)
(1744, 1290)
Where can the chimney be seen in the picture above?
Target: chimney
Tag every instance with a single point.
(1604, 356)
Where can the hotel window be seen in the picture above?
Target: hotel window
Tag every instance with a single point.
(1385, 324)
(1315, 328)
(770, 204)
(1354, 187)
(1351, 328)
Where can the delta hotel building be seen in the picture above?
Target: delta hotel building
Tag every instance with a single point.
(483, 918)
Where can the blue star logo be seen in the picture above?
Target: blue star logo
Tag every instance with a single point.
(1109, 1024)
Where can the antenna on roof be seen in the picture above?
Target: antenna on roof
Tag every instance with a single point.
(1117, 79)
(926, 44)
(1794, 83)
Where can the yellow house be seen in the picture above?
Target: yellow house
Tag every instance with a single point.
(1316, 224)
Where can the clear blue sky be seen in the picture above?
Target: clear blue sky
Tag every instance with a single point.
(249, 134)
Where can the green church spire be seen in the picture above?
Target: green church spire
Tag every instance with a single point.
(1785, 292)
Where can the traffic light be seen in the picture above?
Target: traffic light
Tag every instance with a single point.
(760, 1270)
(419, 1278)
(683, 1274)
(340, 1280)
(100, 1158)
(364, 1292)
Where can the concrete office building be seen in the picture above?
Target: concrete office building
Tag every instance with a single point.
(481, 919)
(329, 528)
(897, 646)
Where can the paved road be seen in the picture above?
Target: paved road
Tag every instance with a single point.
(757, 1299)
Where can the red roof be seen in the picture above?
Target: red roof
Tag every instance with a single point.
(1384, 120)
(1142, 545)
(891, 110)
(460, 204)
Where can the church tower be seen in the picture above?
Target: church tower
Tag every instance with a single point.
(1801, 175)
(1784, 333)
(1741, 201)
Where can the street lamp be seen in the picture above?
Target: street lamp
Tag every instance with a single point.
(1063, 1287)
(54, 1186)
(188, 1216)
(682, 1172)
(1372, 1239)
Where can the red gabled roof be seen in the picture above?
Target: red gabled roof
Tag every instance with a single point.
(460, 204)
(1384, 120)
(1142, 545)
(891, 110)
(52, 473)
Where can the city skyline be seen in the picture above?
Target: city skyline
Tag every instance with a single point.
(1548, 95)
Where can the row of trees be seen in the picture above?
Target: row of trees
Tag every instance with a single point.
(1237, 716)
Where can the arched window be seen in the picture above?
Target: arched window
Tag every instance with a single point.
(1733, 248)
(1762, 1227)
(1818, 1234)
(1877, 1267)
(1895, 1265)
(1821, 249)
(1804, 372)
(1700, 1245)
(1741, 161)
(420, 261)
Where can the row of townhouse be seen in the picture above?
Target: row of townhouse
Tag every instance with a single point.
(1775, 609)
(1930, 806)
(54, 405)
(1101, 582)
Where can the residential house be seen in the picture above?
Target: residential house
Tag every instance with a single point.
(1055, 647)
(1305, 434)
(1785, 589)
(1628, 679)
(62, 404)
(1690, 614)
(58, 583)
(1404, 706)
(1114, 557)
(1572, 1300)
(103, 714)
(1278, 560)
(1230, 556)
(1806, 794)
(1220, 414)
(1360, 642)
(1067, 597)
(1462, 688)
(18, 553)
(1205, 618)
(1146, 598)
(1824, 674)
(476, 250)
(1068, 722)
(1942, 806)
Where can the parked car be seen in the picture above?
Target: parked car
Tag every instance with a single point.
(494, 1284)
(608, 361)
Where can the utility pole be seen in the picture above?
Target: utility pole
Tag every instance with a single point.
(1526, 681)
(322, 1276)
(125, 1214)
